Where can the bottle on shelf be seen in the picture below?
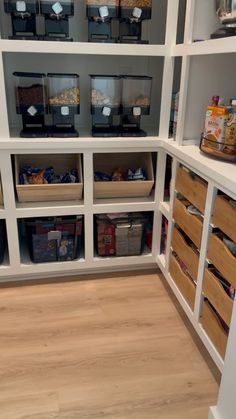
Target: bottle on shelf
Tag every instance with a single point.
(56, 15)
(23, 18)
(64, 103)
(132, 15)
(105, 105)
(136, 101)
(31, 103)
(100, 14)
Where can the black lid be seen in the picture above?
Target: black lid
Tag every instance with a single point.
(98, 76)
(138, 77)
(63, 75)
(24, 74)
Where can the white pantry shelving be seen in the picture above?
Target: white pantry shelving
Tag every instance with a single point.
(205, 67)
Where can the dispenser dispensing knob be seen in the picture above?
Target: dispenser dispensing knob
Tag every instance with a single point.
(103, 11)
(21, 6)
(57, 8)
(137, 13)
(106, 111)
(136, 111)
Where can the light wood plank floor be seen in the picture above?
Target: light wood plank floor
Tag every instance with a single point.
(114, 348)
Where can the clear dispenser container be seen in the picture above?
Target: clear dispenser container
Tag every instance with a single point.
(103, 9)
(31, 95)
(57, 8)
(136, 96)
(21, 7)
(64, 90)
(106, 92)
(136, 9)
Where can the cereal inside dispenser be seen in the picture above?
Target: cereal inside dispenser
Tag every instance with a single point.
(64, 103)
(56, 15)
(136, 101)
(100, 14)
(31, 103)
(105, 105)
(23, 18)
(132, 14)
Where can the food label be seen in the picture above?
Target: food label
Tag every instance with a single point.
(136, 111)
(215, 125)
(32, 110)
(103, 11)
(230, 136)
(137, 12)
(65, 110)
(20, 6)
(54, 235)
(106, 111)
(57, 8)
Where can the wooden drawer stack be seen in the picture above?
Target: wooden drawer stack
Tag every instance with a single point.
(187, 234)
(221, 304)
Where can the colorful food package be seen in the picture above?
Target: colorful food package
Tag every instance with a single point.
(230, 133)
(215, 125)
(106, 238)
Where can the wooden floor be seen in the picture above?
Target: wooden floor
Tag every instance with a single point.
(115, 348)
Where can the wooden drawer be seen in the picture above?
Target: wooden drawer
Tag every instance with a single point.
(183, 282)
(192, 187)
(190, 224)
(214, 329)
(224, 217)
(217, 296)
(222, 259)
(185, 252)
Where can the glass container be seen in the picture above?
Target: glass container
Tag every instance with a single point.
(64, 91)
(136, 95)
(31, 94)
(106, 92)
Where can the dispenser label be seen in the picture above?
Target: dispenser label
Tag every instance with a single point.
(103, 11)
(106, 111)
(57, 8)
(137, 12)
(32, 110)
(65, 110)
(137, 111)
(20, 6)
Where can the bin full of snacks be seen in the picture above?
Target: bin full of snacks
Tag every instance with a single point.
(54, 239)
(136, 101)
(64, 103)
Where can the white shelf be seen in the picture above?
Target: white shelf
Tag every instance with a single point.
(161, 262)
(40, 209)
(164, 207)
(146, 258)
(211, 46)
(84, 48)
(124, 204)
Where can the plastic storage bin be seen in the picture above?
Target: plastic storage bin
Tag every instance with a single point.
(31, 103)
(23, 17)
(64, 103)
(105, 104)
(57, 14)
(120, 235)
(54, 239)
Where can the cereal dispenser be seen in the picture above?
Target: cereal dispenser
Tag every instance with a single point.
(57, 15)
(31, 103)
(136, 99)
(105, 105)
(64, 103)
(132, 14)
(100, 14)
(23, 18)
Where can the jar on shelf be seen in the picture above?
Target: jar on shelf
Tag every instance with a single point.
(64, 103)
(23, 17)
(31, 102)
(105, 104)
(57, 14)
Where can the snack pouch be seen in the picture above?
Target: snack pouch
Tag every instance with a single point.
(215, 126)
(230, 134)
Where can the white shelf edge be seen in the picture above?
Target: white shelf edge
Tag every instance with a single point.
(161, 262)
(39, 209)
(164, 207)
(207, 47)
(84, 48)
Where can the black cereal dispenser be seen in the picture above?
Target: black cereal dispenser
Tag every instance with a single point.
(64, 103)
(31, 103)
(100, 14)
(132, 15)
(57, 14)
(105, 105)
(23, 17)
(136, 100)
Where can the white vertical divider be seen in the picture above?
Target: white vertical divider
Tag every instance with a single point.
(168, 71)
(159, 193)
(9, 205)
(189, 21)
(175, 166)
(210, 201)
(88, 207)
(4, 126)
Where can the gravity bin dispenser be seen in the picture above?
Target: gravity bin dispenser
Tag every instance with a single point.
(64, 103)
(100, 14)
(56, 15)
(31, 103)
(105, 105)
(136, 100)
(132, 15)
(23, 18)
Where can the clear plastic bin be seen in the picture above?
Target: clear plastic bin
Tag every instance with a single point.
(31, 93)
(106, 92)
(64, 90)
(136, 95)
